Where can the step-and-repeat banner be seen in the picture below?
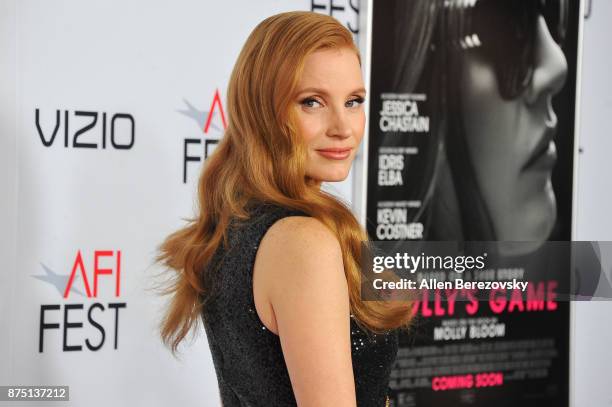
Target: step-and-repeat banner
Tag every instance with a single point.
(117, 104)
(471, 138)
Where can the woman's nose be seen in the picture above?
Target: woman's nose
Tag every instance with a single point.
(339, 123)
(550, 66)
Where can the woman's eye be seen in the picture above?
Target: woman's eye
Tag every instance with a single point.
(355, 102)
(311, 102)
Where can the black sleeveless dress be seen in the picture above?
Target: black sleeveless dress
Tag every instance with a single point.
(248, 358)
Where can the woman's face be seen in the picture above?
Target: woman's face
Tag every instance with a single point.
(510, 142)
(330, 112)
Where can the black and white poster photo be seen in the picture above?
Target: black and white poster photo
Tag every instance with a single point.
(471, 138)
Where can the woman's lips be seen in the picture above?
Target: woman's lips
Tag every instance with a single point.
(544, 155)
(546, 160)
(335, 153)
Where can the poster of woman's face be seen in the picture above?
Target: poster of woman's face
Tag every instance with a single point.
(492, 79)
(510, 141)
(471, 138)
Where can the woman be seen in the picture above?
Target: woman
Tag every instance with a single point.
(490, 69)
(271, 262)
(505, 119)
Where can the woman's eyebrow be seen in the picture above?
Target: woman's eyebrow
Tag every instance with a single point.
(324, 92)
(359, 90)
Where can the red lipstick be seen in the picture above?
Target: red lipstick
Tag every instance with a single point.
(335, 153)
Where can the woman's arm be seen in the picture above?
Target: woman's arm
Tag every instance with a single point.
(301, 293)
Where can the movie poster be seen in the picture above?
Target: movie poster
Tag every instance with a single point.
(471, 138)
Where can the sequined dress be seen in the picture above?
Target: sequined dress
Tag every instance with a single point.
(247, 357)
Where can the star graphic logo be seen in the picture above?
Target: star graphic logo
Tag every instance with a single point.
(59, 281)
(204, 117)
(199, 116)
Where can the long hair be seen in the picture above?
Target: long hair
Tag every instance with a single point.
(407, 34)
(261, 158)
(421, 70)
(476, 222)
(427, 61)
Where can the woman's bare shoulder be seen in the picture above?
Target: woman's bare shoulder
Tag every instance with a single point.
(305, 289)
(302, 233)
(299, 251)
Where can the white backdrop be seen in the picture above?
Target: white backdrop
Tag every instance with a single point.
(158, 66)
(592, 334)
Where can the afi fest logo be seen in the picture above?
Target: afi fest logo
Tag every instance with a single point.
(83, 324)
(211, 132)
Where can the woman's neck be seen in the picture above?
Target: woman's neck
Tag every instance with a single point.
(313, 183)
